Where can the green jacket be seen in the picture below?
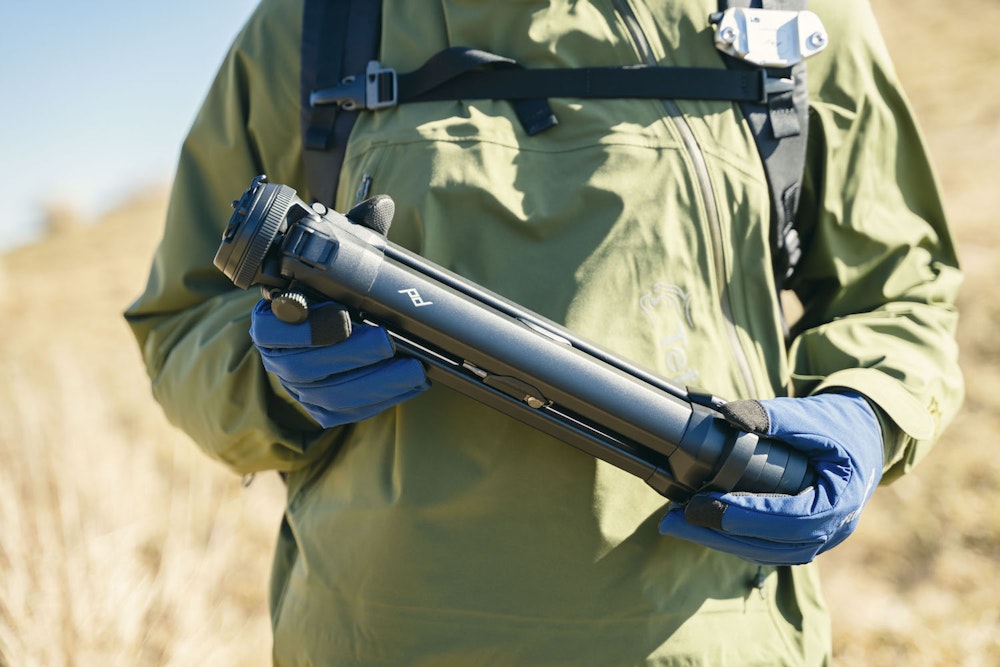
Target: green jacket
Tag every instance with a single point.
(443, 533)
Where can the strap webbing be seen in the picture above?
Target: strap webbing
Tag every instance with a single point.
(461, 73)
(341, 37)
(338, 38)
(451, 75)
(780, 128)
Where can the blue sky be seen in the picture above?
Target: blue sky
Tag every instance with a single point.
(96, 97)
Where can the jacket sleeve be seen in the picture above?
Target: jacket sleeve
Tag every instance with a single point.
(879, 274)
(190, 322)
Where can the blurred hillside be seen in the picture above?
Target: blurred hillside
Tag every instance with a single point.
(917, 585)
(120, 544)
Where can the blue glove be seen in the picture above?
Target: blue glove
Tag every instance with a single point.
(843, 440)
(339, 373)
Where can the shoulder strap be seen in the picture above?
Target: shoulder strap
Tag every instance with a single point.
(780, 129)
(340, 44)
(338, 38)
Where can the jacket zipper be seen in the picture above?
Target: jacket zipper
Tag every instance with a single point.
(641, 42)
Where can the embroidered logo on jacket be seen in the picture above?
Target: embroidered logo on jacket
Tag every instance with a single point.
(668, 308)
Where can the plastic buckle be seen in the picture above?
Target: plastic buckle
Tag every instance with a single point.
(769, 37)
(377, 89)
(774, 86)
(381, 86)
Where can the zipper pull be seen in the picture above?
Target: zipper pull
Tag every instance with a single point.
(364, 189)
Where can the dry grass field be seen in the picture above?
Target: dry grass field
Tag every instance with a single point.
(120, 544)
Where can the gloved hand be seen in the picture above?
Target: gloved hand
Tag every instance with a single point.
(339, 375)
(841, 436)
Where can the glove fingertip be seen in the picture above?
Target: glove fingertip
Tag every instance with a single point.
(748, 415)
(673, 518)
(705, 511)
(329, 324)
(416, 366)
(267, 331)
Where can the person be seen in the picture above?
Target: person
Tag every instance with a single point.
(424, 528)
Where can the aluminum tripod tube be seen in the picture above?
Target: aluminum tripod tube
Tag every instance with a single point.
(399, 298)
(502, 342)
(500, 354)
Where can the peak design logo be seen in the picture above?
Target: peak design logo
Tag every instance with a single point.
(415, 297)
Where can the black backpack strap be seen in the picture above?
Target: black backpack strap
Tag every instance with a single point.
(341, 77)
(437, 79)
(463, 73)
(338, 38)
(780, 129)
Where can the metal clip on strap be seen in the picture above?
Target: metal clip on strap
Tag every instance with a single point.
(378, 89)
(769, 37)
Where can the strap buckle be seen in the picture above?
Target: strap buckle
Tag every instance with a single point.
(377, 89)
(771, 85)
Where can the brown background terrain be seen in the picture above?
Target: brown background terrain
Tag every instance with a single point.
(121, 544)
